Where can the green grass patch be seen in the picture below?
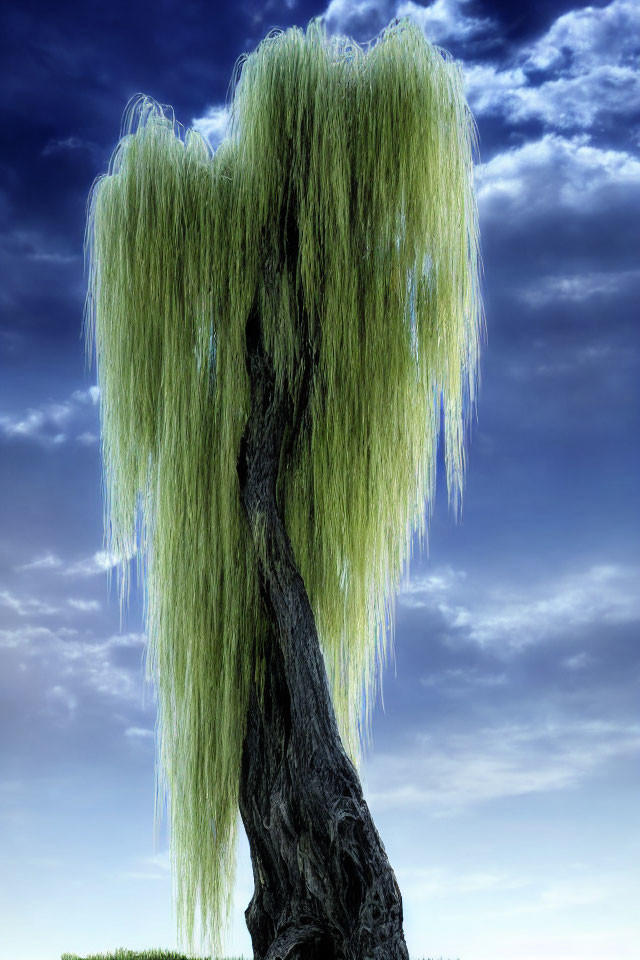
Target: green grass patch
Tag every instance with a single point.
(122, 954)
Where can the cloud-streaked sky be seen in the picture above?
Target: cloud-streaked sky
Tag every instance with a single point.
(504, 773)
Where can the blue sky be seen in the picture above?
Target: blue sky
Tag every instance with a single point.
(504, 775)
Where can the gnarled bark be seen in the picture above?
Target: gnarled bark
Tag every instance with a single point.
(324, 888)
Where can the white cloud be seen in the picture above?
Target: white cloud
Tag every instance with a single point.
(441, 20)
(508, 619)
(213, 125)
(47, 561)
(45, 424)
(25, 606)
(603, 594)
(590, 36)
(62, 144)
(31, 245)
(587, 58)
(90, 396)
(138, 733)
(24, 635)
(488, 88)
(556, 173)
(157, 867)
(445, 774)
(591, 56)
(126, 640)
(351, 16)
(78, 663)
(444, 20)
(90, 663)
(50, 256)
(87, 439)
(96, 563)
(567, 363)
(99, 562)
(435, 584)
(84, 606)
(33, 423)
(577, 287)
(564, 102)
(425, 883)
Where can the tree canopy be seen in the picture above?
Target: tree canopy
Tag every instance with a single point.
(341, 206)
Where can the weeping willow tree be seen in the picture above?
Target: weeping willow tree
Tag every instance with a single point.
(281, 328)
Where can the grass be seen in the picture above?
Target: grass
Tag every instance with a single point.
(122, 954)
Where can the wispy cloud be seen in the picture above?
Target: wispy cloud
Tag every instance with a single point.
(26, 606)
(426, 883)
(570, 362)
(421, 589)
(507, 619)
(139, 733)
(464, 678)
(65, 144)
(32, 245)
(157, 867)
(92, 664)
(99, 562)
(53, 256)
(578, 287)
(84, 606)
(46, 561)
(44, 425)
(22, 637)
(50, 424)
(445, 773)
(73, 663)
(91, 565)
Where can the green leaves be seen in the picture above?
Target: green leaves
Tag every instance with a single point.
(342, 203)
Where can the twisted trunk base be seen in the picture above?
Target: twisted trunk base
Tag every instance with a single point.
(324, 889)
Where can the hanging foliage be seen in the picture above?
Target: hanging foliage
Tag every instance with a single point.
(368, 153)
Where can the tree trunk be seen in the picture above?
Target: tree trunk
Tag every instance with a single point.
(324, 888)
